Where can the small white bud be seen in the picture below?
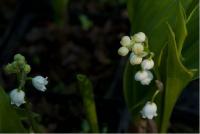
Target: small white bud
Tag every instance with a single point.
(149, 110)
(17, 97)
(141, 75)
(138, 48)
(147, 64)
(123, 51)
(39, 83)
(148, 79)
(134, 59)
(125, 41)
(139, 37)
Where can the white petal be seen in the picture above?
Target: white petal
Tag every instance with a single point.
(139, 37)
(123, 51)
(125, 41)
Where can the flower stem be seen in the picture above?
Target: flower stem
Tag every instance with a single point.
(154, 95)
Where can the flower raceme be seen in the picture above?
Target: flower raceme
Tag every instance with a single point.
(140, 55)
(20, 67)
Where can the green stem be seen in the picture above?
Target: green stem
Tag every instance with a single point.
(22, 81)
(154, 95)
(22, 77)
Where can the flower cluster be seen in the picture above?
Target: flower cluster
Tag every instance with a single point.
(20, 67)
(140, 54)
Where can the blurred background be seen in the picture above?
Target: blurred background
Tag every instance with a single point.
(62, 38)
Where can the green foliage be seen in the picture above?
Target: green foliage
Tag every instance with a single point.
(166, 24)
(86, 23)
(86, 91)
(60, 8)
(9, 120)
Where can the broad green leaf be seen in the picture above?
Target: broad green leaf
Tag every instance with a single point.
(86, 91)
(191, 46)
(180, 28)
(177, 77)
(9, 121)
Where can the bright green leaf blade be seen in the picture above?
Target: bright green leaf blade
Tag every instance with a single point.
(190, 50)
(86, 91)
(180, 28)
(9, 121)
(177, 78)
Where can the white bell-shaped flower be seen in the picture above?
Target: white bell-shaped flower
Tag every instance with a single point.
(141, 75)
(149, 110)
(125, 41)
(138, 48)
(134, 59)
(147, 64)
(139, 37)
(40, 83)
(123, 51)
(17, 97)
(147, 80)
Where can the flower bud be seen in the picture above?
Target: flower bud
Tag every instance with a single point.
(19, 57)
(125, 41)
(147, 64)
(149, 110)
(141, 75)
(27, 68)
(139, 37)
(39, 83)
(123, 51)
(134, 59)
(17, 97)
(137, 48)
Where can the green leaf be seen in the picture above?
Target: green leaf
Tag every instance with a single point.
(86, 91)
(191, 46)
(9, 121)
(180, 28)
(177, 77)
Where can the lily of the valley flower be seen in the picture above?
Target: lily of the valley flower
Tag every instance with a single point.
(149, 110)
(40, 83)
(138, 48)
(123, 51)
(125, 41)
(134, 59)
(139, 37)
(147, 64)
(17, 97)
(145, 77)
(141, 75)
